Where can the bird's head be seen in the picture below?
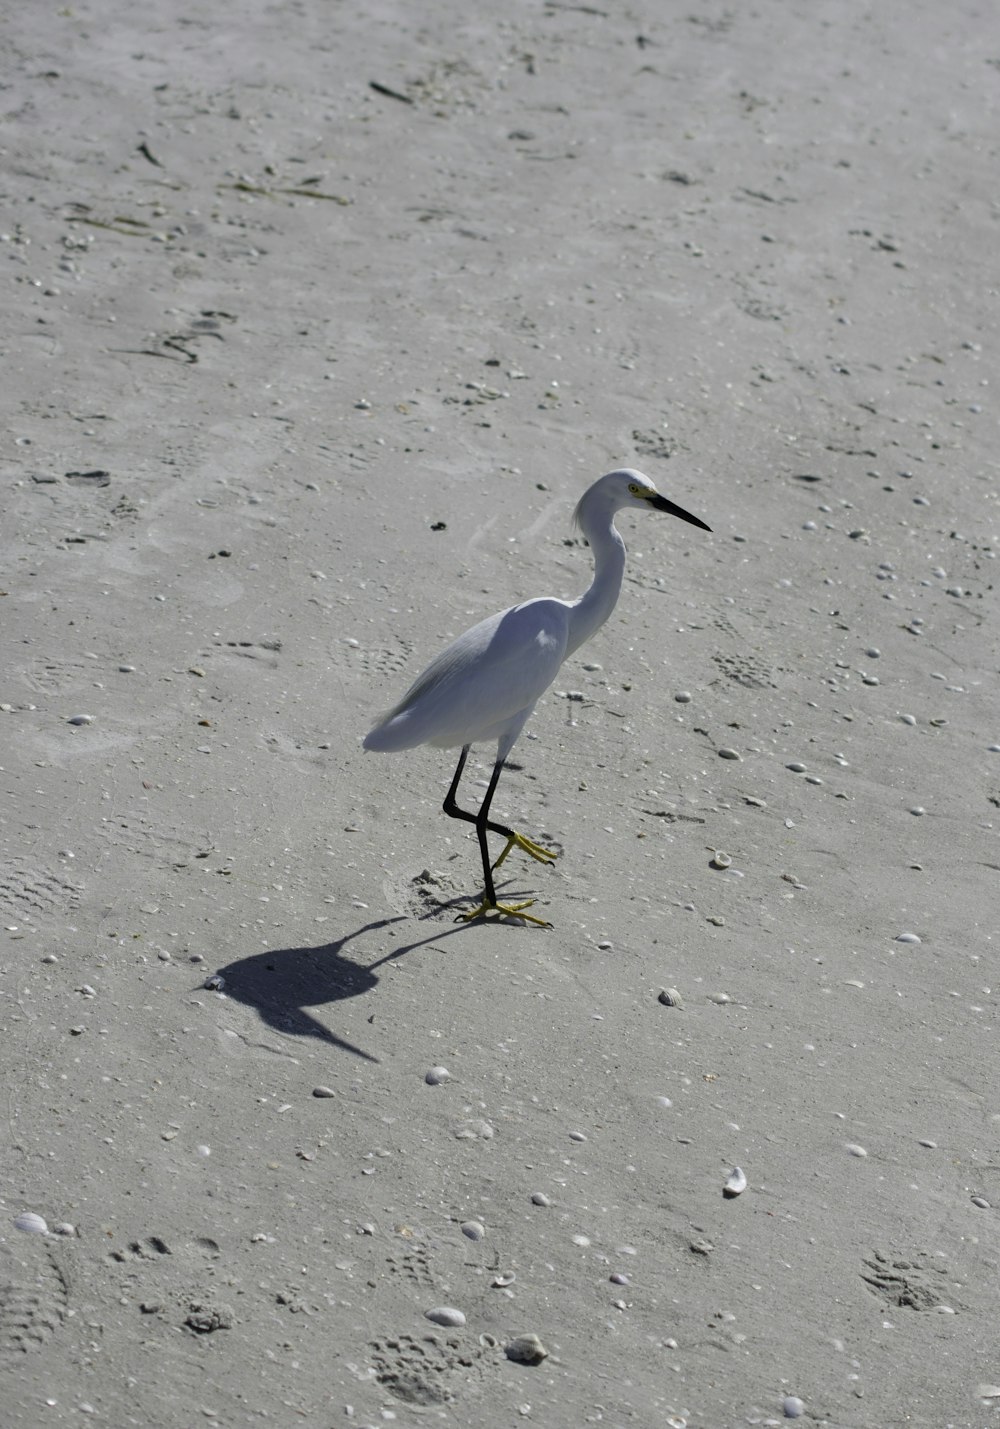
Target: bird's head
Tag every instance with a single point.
(627, 487)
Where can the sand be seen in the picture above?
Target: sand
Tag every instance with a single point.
(318, 321)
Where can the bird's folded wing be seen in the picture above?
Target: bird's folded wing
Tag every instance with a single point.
(482, 681)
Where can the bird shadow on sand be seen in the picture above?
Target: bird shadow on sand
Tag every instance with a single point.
(283, 984)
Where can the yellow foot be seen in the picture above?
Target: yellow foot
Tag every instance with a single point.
(528, 846)
(509, 910)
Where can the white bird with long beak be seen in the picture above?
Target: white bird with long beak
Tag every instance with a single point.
(486, 683)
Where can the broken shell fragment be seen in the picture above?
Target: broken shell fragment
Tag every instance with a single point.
(525, 1349)
(736, 1183)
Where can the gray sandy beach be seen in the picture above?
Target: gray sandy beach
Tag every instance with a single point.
(318, 321)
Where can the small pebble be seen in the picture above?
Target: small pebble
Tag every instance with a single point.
(80, 719)
(726, 753)
(683, 697)
(906, 938)
(981, 1202)
(617, 1278)
(796, 767)
(577, 1136)
(445, 1315)
(853, 1149)
(539, 1198)
(436, 1076)
(64, 1228)
(525, 1349)
(793, 1407)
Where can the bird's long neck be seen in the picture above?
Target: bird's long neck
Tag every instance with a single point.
(590, 612)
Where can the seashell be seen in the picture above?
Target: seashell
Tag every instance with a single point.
(475, 1230)
(525, 1349)
(719, 859)
(736, 1183)
(436, 1076)
(28, 1221)
(445, 1315)
(670, 997)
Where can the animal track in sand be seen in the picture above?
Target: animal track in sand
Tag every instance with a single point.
(266, 651)
(167, 1283)
(412, 1260)
(25, 894)
(154, 1246)
(914, 1282)
(378, 660)
(746, 671)
(34, 1298)
(429, 1369)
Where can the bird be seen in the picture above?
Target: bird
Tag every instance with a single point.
(486, 683)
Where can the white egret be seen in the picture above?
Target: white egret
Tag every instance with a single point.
(485, 685)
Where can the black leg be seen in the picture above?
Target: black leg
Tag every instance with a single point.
(452, 809)
(482, 824)
(454, 812)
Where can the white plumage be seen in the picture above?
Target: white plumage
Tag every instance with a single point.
(485, 685)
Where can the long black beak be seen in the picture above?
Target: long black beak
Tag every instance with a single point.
(660, 503)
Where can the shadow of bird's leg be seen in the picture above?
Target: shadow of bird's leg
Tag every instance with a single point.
(482, 823)
(514, 839)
